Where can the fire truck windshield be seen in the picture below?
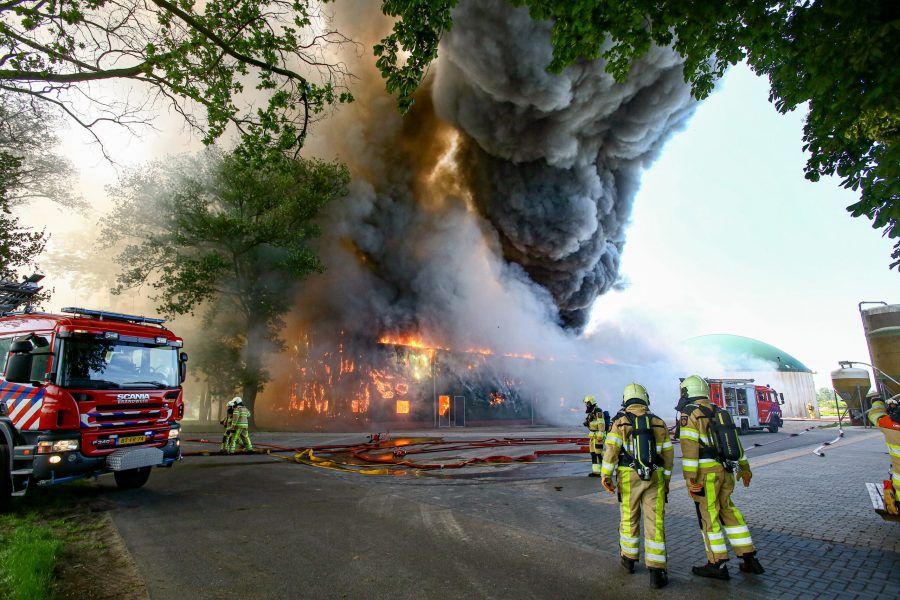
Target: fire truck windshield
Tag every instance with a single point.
(89, 363)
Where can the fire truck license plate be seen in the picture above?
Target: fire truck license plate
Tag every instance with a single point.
(133, 439)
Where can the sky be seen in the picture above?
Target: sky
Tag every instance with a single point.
(726, 235)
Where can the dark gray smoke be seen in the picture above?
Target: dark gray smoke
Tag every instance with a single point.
(558, 158)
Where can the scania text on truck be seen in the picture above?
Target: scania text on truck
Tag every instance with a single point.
(85, 393)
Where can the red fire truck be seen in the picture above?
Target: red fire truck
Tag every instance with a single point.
(84, 393)
(751, 406)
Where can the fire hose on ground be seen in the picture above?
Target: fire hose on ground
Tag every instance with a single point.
(382, 455)
(385, 456)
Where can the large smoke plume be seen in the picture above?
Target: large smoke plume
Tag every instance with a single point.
(494, 214)
(558, 157)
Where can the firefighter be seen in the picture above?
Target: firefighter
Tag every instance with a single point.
(886, 417)
(227, 423)
(596, 421)
(640, 452)
(240, 423)
(710, 481)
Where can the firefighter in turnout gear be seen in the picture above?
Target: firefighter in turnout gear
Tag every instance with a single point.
(639, 451)
(227, 423)
(240, 423)
(886, 417)
(596, 421)
(710, 448)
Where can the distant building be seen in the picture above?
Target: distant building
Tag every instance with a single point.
(746, 358)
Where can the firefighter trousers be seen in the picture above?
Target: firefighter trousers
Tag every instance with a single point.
(719, 517)
(226, 439)
(647, 499)
(239, 436)
(595, 442)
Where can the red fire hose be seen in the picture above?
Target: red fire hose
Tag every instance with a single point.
(395, 453)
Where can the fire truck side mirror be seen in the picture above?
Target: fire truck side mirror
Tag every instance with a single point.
(780, 398)
(18, 368)
(182, 366)
(21, 347)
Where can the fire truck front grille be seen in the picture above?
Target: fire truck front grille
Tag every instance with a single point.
(121, 416)
(128, 407)
(104, 418)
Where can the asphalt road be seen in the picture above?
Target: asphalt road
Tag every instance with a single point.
(259, 527)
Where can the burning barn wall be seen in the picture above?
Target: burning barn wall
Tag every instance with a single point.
(491, 216)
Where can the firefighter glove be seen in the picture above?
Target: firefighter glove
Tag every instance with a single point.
(695, 488)
(608, 484)
(745, 475)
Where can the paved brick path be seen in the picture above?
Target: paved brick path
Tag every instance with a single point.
(539, 530)
(810, 518)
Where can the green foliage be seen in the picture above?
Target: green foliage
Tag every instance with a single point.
(836, 56)
(415, 34)
(189, 55)
(28, 555)
(825, 398)
(229, 235)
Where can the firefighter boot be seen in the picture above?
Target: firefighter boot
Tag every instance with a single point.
(717, 570)
(628, 563)
(750, 564)
(659, 578)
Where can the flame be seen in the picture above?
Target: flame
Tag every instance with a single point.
(443, 405)
(496, 399)
(482, 351)
(410, 341)
(402, 407)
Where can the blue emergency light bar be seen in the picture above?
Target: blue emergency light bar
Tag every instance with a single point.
(111, 316)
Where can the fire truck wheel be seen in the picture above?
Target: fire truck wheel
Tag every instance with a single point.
(132, 478)
(773, 428)
(5, 479)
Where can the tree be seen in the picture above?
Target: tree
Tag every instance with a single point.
(837, 56)
(56, 52)
(31, 168)
(19, 246)
(216, 361)
(228, 235)
(825, 399)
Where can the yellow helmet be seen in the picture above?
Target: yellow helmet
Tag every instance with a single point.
(590, 400)
(694, 386)
(635, 391)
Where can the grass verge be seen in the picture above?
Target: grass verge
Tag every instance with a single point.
(28, 555)
(62, 543)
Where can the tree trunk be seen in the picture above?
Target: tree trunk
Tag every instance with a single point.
(248, 396)
(206, 404)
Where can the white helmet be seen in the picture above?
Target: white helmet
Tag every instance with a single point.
(235, 401)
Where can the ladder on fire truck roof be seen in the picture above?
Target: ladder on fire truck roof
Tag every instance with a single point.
(15, 294)
(104, 315)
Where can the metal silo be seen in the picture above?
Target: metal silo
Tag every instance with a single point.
(852, 385)
(882, 328)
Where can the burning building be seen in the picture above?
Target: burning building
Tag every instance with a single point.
(491, 216)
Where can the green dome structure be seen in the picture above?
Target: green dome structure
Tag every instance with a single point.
(741, 353)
